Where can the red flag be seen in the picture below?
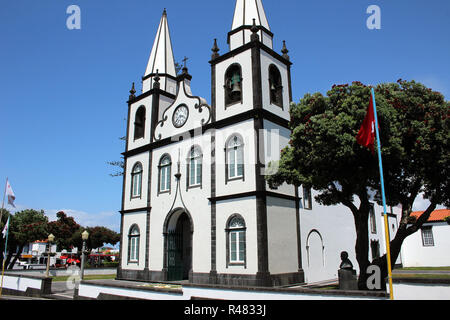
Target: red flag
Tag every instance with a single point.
(366, 135)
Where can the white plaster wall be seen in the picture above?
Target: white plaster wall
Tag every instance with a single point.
(164, 103)
(337, 228)
(414, 254)
(147, 103)
(266, 39)
(246, 207)
(93, 291)
(20, 283)
(266, 61)
(420, 291)
(335, 225)
(129, 219)
(195, 200)
(282, 235)
(247, 132)
(221, 294)
(245, 60)
(136, 203)
(276, 138)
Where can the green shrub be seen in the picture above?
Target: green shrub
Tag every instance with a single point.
(112, 264)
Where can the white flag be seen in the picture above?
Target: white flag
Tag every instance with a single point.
(10, 194)
(5, 230)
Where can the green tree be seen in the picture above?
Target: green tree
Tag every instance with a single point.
(323, 154)
(25, 226)
(98, 236)
(63, 229)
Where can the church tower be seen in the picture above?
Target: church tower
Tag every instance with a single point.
(251, 95)
(195, 203)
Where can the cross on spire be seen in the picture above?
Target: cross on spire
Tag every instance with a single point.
(185, 60)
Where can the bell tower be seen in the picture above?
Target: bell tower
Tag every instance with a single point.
(251, 75)
(250, 98)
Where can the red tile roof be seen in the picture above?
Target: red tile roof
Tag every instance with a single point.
(436, 215)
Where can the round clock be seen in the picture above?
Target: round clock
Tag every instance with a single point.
(180, 116)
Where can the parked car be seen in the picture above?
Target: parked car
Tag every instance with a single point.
(25, 265)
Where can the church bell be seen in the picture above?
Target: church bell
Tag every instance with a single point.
(236, 85)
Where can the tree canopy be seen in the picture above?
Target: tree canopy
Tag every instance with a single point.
(323, 153)
(29, 225)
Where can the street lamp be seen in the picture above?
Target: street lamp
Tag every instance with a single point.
(84, 236)
(50, 239)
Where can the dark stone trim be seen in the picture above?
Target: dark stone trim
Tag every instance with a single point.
(254, 194)
(221, 280)
(136, 210)
(248, 27)
(263, 275)
(251, 114)
(247, 46)
(160, 75)
(147, 239)
(121, 243)
(149, 93)
(429, 281)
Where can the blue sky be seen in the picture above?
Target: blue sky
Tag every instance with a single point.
(63, 92)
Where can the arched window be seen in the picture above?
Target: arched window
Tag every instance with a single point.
(236, 241)
(276, 86)
(194, 168)
(165, 166)
(235, 158)
(136, 181)
(233, 85)
(133, 244)
(139, 123)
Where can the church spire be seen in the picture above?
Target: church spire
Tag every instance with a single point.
(244, 13)
(161, 57)
(247, 10)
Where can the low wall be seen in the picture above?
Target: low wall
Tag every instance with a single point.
(119, 290)
(63, 272)
(421, 289)
(98, 290)
(26, 285)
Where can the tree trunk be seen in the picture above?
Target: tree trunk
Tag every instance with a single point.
(361, 247)
(19, 252)
(402, 233)
(8, 258)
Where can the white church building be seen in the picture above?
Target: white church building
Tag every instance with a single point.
(195, 203)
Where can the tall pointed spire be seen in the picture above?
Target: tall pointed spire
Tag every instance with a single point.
(161, 58)
(244, 13)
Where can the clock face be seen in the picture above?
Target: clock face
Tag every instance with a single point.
(180, 116)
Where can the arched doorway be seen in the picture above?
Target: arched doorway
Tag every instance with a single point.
(179, 246)
(315, 252)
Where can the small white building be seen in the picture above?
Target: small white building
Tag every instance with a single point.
(430, 246)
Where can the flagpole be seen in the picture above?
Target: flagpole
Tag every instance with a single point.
(386, 225)
(4, 257)
(3, 202)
